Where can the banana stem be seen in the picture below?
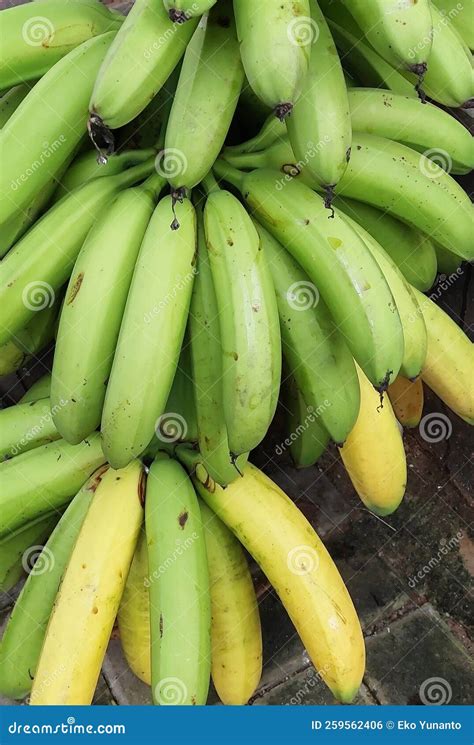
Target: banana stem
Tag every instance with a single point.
(188, 456)
(210, 184)
(136, 173)
(154, 184)
(228, 173)
(245, 160)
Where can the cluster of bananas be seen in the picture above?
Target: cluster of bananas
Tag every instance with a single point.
(306, 248)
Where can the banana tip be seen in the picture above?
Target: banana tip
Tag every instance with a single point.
(282, 110)
(101, 136)
(177, 16)
(329, 198)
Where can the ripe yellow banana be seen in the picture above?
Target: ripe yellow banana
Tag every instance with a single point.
(88, 599)
(407, 398)
(373, 454)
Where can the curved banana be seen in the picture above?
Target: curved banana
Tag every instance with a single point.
(133, 615)
(40, 389)
(414, 330)
(143, 55)
(10, 101)
(315, 353)
(319, 128)
(449, 360)
(248, 321)
(427, 128)
(336, 260)
(236, 636)
(207, 363)
(373, 454)
(275, 46)
(28, 341)
(297, 564)
(22, 640)
(412, 251)
(38, 139)
(32, 41)
(13, 560)
(36, 268)
(95, 299)
(151, 333)
(26, 426)
(180, 609)
(447, 262)
(89, 595)
(460, 16)
(45, 478)
(400, 31)
(306, 436)
(205, 100)
(407, 399)
(181, 11)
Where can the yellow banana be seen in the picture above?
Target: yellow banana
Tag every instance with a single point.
(406, 398)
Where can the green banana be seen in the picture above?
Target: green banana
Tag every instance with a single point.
(85, 168)
(446, 261)
(275, 45)
(181, 11)
(28, 341)
(40, 389)
(207, 363)
(45, 478)
(368, 66)
(144, 53)
(428, 129)
(26, 426)
(38, 139)
(272, 129)
(460, 16)
(180, 613)
(336, 260)
(14, 553)
(151, 333)
(179, 422)
(414, 329)
(315, 353)
(205, 100)
(35, 269)
(10, 101)
(95, 299)
(22, 640)
(32, 41)
(412, 251)
(401, 32)
(248, 321)
(306, 436)
(319, 127)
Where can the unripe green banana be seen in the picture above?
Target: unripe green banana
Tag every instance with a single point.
(248, 321)
(40, 389)
(428, 128)
(32, 41)
(460, 16)
(10, 101)
(306, 437)
(447, 262)
(272, 129)
(144, 53)
(95, 299)
(45, 478)
(180, 612)
(36, 268)
(412, 251)
(38, 139)
(337, 262)
(205, 100)
(275, 45)
(319, 127)
(314, 351)
(181, 11)
(179, 422)
(151, 333)
(400, 31)
(26, 426)
(14, 553)
(28, 341)
(22, 640)
(207, 362)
